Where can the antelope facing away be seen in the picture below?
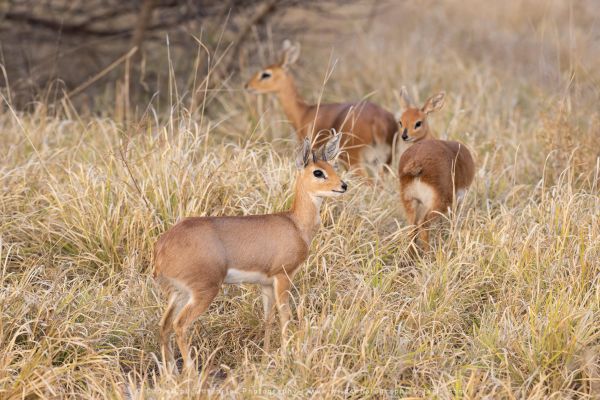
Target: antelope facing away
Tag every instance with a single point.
(368, 129)
(198, 255)
(433, 173)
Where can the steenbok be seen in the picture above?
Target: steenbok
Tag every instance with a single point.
(433, 173)
(368, 129)
(198, 255)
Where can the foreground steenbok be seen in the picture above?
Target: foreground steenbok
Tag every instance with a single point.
(198, 255)
(368, 129)
(433, 173)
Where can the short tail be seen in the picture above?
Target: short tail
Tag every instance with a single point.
(412, 168)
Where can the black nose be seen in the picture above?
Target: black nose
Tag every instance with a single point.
(405, 134)
(344, 186)
(246, 86)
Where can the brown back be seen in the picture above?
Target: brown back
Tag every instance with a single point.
(363, 123)
(445, 165)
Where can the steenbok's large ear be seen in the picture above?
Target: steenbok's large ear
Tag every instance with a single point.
(332, 148)
(290, 53)
(303, 154)
(434, 103)
(405, 100)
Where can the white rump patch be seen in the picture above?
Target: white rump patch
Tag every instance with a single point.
(236, 276)
(422, 192)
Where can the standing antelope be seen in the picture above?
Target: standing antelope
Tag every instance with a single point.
(433, 173)
(368, 129)
(198, 255)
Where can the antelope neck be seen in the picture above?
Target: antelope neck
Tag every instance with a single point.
(305, 212)
(293, 105)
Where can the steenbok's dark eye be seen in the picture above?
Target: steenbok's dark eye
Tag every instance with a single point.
(400, 123)
(318, 173)
(265, 75)
(418, 124)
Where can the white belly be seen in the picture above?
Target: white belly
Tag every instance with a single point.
(375, 156)
(460, 195)
(236, 276)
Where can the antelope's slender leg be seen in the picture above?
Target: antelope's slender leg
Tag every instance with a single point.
(281, 287)
(427, 220)
(197, 304)
(412, 211)
(166, 329)
(268, 295)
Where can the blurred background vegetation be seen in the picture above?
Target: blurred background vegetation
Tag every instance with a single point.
(128, 60)
(85, 50)
(101, 53)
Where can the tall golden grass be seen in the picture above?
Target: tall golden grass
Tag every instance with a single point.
(507, 305)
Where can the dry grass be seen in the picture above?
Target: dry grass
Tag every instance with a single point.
(508, 306)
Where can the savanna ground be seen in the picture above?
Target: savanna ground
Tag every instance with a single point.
(507, 305)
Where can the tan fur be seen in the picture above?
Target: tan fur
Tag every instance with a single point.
(364, 124)
(408, 131)
(199, 254)
(433, 173)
